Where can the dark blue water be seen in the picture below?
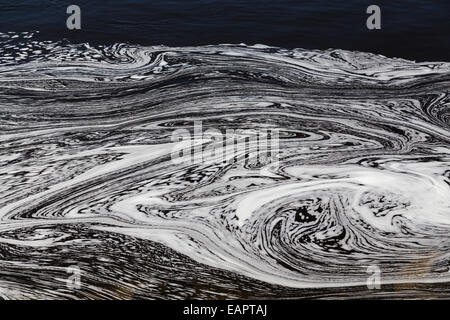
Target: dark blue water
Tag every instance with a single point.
(410, 29)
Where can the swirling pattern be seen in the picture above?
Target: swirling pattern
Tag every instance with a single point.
(87, 176)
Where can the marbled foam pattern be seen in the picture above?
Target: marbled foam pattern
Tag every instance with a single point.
(87, 179)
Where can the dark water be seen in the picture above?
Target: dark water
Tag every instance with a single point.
(417, 30)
